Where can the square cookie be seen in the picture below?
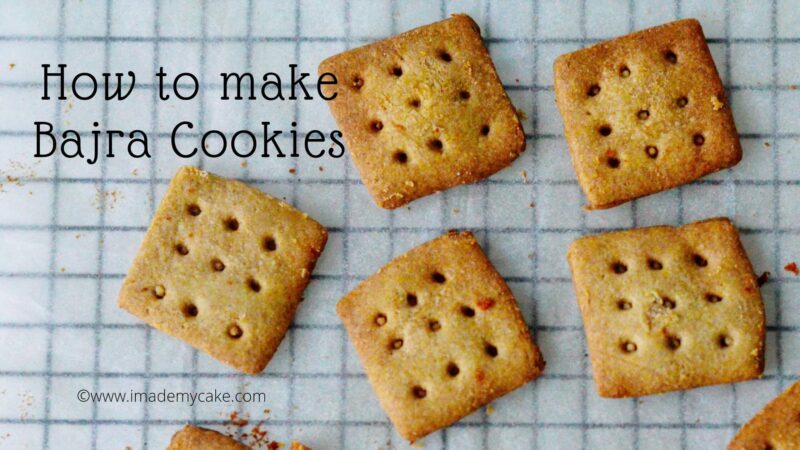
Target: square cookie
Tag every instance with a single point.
(191, 437)
(439, 334)
(223, 267)
(668, 308)
(644, 113)
(423, 111)
(777, 426)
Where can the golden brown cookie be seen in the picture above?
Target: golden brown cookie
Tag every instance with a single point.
(423, 111)
(439, 334)
(223, 267)
(191, 437)
(775, 427)
(668, 308)
(644, 113)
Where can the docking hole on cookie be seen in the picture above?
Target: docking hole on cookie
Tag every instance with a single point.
(217, 265)
(396, 344)
(419, 392)
(628, 347)
(232, 224)
(159, 292)
(452, 369)
(254, 285)
(270, 244)
(235, 331)
(189, 310)
(699, 261)
(438, 277)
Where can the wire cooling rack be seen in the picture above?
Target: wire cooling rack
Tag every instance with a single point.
(70, 230)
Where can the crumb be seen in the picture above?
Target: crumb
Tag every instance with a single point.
(792, 267)
(521, 115)
(135, 172)
(26, 401)
(11, 66)
(763, 278)
(106, 200)
(62, 270)
(456, 210)
(524, 175)
(17, 171)
(767, 144)
(716, 104)
(489, 409)
(531, 205)
(237, 420)
(292, 171)
(243, 164)
(321, 169)
(78, 236)
(793, 87)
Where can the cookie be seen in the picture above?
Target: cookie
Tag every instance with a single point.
(644, 113)
(423, 111)
(439, 334)
(668, 308)
(777, 426)
(223, 267)
(191, 437)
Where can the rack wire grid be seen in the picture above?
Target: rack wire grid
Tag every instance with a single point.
(70, 229)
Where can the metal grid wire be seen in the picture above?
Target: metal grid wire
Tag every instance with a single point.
(68, 257)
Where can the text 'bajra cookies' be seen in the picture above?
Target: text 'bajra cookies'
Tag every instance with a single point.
(439, 334)
(668, 308)
(423, 111)
(776, 427)
(644, 113)
(223, 267)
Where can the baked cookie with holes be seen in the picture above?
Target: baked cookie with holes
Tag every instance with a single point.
(775, 427)
(644, 113)
(423, 111)
(191, 437)
(439, 334)
(668, 308)
(223, 267)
